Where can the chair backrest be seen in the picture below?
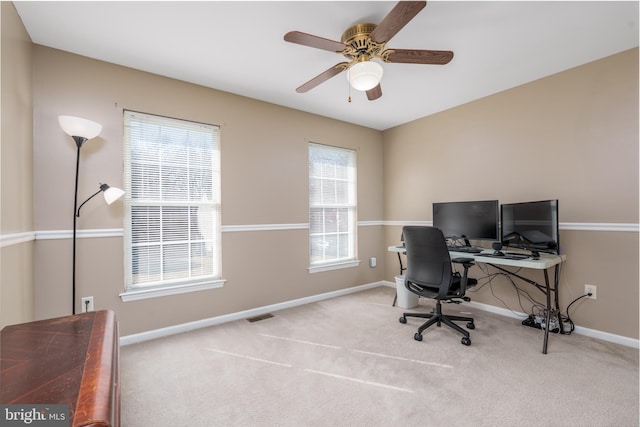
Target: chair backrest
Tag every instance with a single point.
(428, 260)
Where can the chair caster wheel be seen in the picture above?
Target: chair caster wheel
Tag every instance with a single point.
(417, 336)
(471, 325)
(403, 319)
(466, 341)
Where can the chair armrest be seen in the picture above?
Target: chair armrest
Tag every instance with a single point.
(466, 262)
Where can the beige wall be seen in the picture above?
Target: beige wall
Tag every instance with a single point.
(264, 181)
(571, 136)
(16, 181)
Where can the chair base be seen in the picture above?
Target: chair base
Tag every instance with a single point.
(437, 317)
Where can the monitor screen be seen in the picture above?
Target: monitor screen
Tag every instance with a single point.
(531, 225)
(477, 220)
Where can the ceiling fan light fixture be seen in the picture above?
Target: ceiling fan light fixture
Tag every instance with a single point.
(365, 75)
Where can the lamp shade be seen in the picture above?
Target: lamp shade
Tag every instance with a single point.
(77, 126)
(111, 194)
(365, 75)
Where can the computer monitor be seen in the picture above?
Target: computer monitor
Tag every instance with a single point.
(475, 220)
(531, 225)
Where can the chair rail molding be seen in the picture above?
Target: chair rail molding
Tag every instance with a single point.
(16, 238)
(574, 226)
(10, 239)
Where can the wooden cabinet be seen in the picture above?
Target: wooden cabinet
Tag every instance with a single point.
(67, 360)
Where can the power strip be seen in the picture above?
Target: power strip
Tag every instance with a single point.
(531, 321)
(538, 323)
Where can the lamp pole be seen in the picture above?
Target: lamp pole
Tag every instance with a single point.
(79, 141)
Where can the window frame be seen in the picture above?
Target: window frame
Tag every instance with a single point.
(351, 205)
(163, 201)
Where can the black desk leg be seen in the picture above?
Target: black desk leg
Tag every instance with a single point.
(556, 306)
(556, 279)
(548, 316)
(395, 299)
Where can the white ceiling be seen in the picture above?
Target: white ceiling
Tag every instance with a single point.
(238, 47)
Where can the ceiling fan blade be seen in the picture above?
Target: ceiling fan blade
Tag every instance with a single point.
(314, 41)
(375, 93)
(398, 17)
(322, 77)
(414, 56)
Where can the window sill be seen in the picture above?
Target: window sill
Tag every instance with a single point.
(138, 294)
(334, 266)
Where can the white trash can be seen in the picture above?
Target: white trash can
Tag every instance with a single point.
(406, 298)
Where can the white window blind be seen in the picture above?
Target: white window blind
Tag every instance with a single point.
(332, 204)
(172, 203)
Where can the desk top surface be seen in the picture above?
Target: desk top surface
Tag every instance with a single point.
(545, 261)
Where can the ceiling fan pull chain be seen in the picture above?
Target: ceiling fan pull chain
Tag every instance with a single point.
(348, 84)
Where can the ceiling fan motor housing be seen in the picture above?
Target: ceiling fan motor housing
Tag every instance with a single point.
(357, 35)
(359, 43)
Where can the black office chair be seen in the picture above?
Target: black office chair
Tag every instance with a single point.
(429, 274)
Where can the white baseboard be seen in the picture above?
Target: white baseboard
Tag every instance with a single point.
(186, 327)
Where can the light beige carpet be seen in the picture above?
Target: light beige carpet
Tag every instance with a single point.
(349, 362)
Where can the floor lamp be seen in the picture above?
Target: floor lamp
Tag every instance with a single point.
(81, 130)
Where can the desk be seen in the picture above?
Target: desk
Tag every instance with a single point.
(545, 263)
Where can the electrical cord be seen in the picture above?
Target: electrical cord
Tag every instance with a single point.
(488, 280)
(520, 292)
(567, 318)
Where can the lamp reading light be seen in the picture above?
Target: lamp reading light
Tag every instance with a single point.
(111, 194)
(365, 75)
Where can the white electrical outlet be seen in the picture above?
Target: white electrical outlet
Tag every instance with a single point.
(373, 262)
(590, 289)
(87, 304)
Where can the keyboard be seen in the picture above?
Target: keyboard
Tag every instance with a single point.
(464, 249)
(507, 256)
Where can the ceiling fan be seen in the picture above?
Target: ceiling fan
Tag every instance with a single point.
(363, 42)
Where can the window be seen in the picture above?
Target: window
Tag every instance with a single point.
(332, 207)
(172, 206)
